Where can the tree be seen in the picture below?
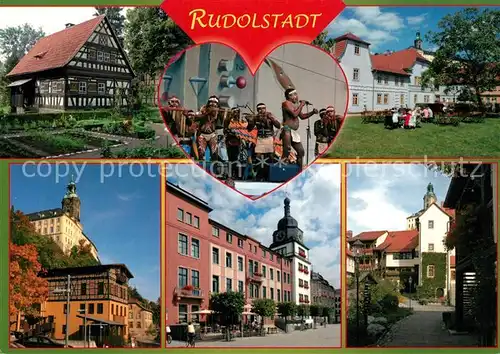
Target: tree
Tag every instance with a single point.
(229, 307)
(287, 309)
(324, 42)
(26, 289)
(17, 41)
(315, 311)
(151, 39)
(115, 17)
(263, 308)
(325, 312)
(468, 52)
(303, 311)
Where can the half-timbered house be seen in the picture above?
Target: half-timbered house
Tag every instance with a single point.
(80, 67)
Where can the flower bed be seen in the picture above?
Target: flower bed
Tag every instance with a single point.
(9, 149)
(58, 144)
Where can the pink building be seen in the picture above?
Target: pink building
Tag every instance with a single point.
(205, 257)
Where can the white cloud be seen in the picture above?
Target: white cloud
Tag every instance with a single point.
(49, 19)
(376, 17)
(416, 20)
(370, 24)
(381, 197)
(315, 203)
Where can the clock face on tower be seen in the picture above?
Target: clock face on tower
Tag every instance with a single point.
(280, 236)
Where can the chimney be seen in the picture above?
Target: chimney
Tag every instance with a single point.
(349, 234)
(68, 25)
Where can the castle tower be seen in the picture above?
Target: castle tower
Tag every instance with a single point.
(288, 240)
(71, 201)
(429, 197)
(417, 43)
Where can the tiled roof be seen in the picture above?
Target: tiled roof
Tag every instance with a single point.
(45, 214)
(56, 50)
(339, 49)
(352, 37)
(400, 241)
(397, 62)
(367, 236)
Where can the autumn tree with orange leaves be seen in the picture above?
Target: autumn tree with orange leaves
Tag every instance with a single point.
(26, 289)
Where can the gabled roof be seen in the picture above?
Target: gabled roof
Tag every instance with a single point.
(56, 50)
(341, 43)
(448, 211)
(367, 236)
(400, 241)
(397, 62)
(352, 37)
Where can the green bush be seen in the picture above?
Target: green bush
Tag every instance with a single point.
(144, 133)
(75, 116)
(389, 303)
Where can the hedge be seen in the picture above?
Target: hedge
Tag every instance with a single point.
(80, 115)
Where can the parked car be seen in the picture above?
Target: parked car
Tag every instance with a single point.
(39, 342)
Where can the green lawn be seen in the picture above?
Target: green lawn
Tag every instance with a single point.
(431, 140)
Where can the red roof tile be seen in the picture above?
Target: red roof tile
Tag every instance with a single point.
(453, 261)
(56, 50)
(339, 48)
(367, 236)
(400, 241)
(350, 36)
(396, 62)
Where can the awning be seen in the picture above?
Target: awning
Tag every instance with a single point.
(18, 83)
(101, 320)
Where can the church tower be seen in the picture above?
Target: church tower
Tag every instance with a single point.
(288, 240)
(71, 201)
(417, 43)
(429, 197)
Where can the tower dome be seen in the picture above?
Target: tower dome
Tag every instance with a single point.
(287, 228)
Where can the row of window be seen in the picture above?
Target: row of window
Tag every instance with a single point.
(384, 99)
(194, 251)
(131, 325)
(90, 309)
(303, 298)
(188, 218)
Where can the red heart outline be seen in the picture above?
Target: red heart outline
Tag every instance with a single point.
(178, 55)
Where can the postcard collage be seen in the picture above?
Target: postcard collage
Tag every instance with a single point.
(164, 195)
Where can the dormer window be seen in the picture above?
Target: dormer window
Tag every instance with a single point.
(356, 49)
(40, 55)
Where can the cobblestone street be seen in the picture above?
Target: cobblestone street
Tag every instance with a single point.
(320, 337)
(425, 328)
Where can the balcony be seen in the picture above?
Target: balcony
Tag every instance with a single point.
(189, 292)
(255, 277)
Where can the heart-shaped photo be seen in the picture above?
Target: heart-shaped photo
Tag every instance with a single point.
(263, 128)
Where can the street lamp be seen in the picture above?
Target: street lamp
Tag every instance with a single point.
(410, 281)
(358, 245)
(67, 291)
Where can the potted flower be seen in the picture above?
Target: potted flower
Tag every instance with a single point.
(188, 288)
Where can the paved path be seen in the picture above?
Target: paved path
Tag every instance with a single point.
(320, 337)
(424, 328)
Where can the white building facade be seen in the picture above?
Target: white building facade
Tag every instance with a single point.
(383, 81)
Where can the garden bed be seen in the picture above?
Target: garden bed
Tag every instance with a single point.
(8, 150)
(64, 143)
(90, 140)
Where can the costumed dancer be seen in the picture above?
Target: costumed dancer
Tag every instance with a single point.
(292, 112)
(264, 123)
(207, 136)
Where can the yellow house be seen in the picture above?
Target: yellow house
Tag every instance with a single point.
(98, 303)
(140, 320)
(63, 224)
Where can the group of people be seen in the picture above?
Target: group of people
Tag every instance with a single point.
(408, 118)
(227, 134)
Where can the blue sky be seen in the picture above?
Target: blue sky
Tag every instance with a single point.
(390, 28)
(120, 213)
(315, 203)
(380, 197)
